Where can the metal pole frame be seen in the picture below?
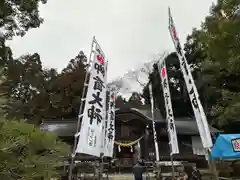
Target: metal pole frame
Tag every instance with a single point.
(153, 123)
(85, 87)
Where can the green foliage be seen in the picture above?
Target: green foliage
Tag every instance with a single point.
(24, 79)
(66, 89)
(17, 17)
(27, 153)
(216, 47)
(213, 53)
(33, 92)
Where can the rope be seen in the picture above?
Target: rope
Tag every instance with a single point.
(128, 144)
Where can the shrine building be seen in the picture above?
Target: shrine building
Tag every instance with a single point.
(134, 136)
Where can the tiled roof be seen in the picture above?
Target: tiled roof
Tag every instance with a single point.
(67, 127)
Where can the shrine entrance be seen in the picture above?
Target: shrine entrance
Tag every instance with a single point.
(130, 138)
(124, 152)
(126, 157)
(127, 153)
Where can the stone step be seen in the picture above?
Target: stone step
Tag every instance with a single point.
(126, 177)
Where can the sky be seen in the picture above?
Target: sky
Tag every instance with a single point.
(130, 32)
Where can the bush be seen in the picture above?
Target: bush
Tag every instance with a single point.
(27, 153)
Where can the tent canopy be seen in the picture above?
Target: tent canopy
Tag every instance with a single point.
(226, 147)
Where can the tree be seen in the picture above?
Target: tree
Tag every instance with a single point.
(17, 17)
(218, 46)
(18, 77)
(28, 153)
(33, 92)
(179, 95)
(120, 101)
(135, 100)
(24, 83)
(66, 90)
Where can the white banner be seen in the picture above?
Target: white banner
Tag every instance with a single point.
(172, 134)
(191, 87)
(105, 122)
(90, 140)
(110, 130)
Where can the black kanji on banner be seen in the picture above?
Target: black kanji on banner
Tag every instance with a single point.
(194, 99)
(94, 113)
(194, 102)
(178, 47)
(98, 84)
(111, 126)
(111, 104)
(166, 97)
(99, 68)
(90, 137)
(110, 130)
(95, 141)
(112, 115)
(189, 81)
(165, 83)
(97, 99)
(171, 126)
(184, 66)
(170, 113)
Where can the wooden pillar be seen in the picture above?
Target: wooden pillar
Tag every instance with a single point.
(146, 153)
(139, 145)
(114, 151)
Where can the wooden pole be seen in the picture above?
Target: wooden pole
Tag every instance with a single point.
(173, 172)
(212, 165)
(101, 167)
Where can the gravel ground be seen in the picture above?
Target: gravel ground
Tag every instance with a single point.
(126, 176)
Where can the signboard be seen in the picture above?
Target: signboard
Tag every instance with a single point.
(172, 134)
(236, 145)
(191, 87)
(90, 140)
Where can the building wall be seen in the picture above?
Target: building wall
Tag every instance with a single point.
(184, 143)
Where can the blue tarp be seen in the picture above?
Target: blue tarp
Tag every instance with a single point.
(226, 147)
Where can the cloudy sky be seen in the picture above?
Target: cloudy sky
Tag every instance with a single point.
(130, 32)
